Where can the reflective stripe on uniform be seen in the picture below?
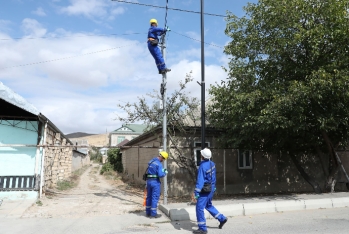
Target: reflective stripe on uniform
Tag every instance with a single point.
(217, 215)
(152, 176)
(197, 190)
(148, 207)
(208, 171)
(154, 208)
(201, 222)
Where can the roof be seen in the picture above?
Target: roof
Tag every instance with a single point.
(122, 143)
(15, 99)
(134, 128)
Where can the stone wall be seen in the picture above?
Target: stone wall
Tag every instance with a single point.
(58, 160)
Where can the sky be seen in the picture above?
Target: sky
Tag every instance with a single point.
(72, 60)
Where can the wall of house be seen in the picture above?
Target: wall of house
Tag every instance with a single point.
(114, 138)
(271, 173)
(79, 160)
(58, 160)
(19, 160)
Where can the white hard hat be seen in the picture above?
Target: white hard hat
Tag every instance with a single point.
(206, 153)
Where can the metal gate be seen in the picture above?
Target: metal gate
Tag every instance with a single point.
(18, 183)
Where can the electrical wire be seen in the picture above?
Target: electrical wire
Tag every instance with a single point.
(86, 35)
(198, 40)
(74, 56)
(175, 9)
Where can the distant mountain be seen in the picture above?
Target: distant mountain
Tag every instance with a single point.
(78, 134)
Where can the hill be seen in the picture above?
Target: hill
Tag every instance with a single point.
(78, 134)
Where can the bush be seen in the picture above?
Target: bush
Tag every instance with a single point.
(115, 159)
(106, 168)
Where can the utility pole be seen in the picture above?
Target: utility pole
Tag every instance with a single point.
(203, 122)
(164, 122)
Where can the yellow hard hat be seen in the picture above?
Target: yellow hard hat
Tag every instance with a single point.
(164, 154)
(152, 21)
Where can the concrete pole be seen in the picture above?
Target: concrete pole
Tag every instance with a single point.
(203, 121)
(164, 123)
(43, 162)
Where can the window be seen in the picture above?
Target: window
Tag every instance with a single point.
(120, 139)
(197, 154)
(245, 159)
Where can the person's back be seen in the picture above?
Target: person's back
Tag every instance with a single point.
(204, 191)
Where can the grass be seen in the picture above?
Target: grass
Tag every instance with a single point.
(39, 203)
(65, 185)
(72, 181)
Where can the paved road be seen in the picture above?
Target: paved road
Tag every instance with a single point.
(313, 221)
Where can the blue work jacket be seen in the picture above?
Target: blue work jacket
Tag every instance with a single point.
(155, 32)
(204, 175)
(155, 168)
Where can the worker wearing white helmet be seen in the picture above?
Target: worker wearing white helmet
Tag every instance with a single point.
(204, 190)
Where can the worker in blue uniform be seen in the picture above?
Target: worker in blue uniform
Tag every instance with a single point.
(153, 40)
(206, 176)
(154, 173)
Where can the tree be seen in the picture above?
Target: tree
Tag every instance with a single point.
(288, 89)
(182, 119)
(115, 159)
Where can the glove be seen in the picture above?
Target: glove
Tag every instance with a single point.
(168, 29)
(196, 197)
(165, 171)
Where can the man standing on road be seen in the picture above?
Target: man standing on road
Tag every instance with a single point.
(154, 173)
(204, 190)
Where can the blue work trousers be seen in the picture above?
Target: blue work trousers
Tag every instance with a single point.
(205, 202)
(153, 195)
(156, 53)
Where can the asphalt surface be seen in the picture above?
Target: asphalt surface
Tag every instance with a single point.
(334, 220)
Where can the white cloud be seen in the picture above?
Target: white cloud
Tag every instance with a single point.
(81, 93)
(93, 9)
(39, 11)
(33, 28)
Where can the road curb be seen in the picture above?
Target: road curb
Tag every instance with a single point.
(245, 209)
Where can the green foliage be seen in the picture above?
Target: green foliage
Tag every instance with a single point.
(39, 203)
(95, 155)
(65, 185)
(115, 159)
(107, 167)
(289, 77)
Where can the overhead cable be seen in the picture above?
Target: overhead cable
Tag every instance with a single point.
(85, 35)
(175, 9)
(198, 40)
(74, 56)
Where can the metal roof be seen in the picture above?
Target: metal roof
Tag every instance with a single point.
(15, 99)
(135, 128)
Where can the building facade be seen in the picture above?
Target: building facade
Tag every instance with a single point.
(126, 132)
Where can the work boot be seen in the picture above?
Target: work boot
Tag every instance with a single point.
(147, 215)
(200, 231)
(164, 71)
(156, 216)
(222, 223)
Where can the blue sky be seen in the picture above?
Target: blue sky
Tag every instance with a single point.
(82, 93)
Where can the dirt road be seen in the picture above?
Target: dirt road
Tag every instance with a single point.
(94, 196)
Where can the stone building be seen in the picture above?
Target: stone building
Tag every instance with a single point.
(34, 153)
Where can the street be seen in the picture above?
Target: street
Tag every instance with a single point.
(314, 221)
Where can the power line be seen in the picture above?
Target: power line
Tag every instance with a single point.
(198, 40)
(86, 35)
(74, 56)
(175, 9)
